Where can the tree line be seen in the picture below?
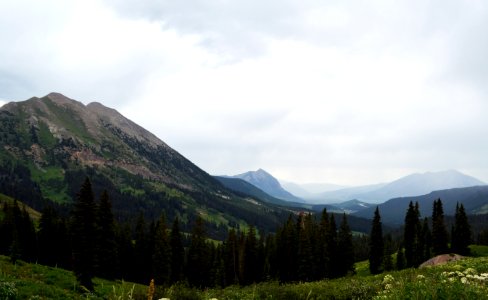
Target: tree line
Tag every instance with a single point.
(91, 243)
(422, 238)
(306, 247)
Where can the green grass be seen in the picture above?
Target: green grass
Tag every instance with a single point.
(51, 181)
(465, 279)
(441, 282)
(45, 136)
(34, 214)
(32, 281)
(479, 250)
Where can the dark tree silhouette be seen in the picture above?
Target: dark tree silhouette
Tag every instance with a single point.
(177, 252)
(198, 266)
(461, 232)
(439, 232)
(106, 246)
(346, 252)
(376, 248)
(410, 235)
(83, 235)
(162, 254)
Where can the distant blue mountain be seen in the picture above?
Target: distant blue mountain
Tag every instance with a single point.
(267, 183)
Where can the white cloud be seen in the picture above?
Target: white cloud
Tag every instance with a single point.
(337, 92)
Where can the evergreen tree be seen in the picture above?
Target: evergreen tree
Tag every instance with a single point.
(126, 253)
(162, 254)
(376, 248)
(439, 232)
(106, 246)
(323, 261)
(346, 252)
(400, 259)
(198, 253)
(287, 251)
(305, 248)
(332, 251)
(177, 253)
(426, 237)
(83, 235)
(250, 266)
(231, 260)
(410, 235)
(270, 261)
(461, 232)
(52, 240)
(387, 260)
(142, 252)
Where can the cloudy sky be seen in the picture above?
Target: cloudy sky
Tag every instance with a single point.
(345, 92)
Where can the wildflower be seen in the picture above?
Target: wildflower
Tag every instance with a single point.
(470, 271)
(464, 280)
(388, 278)
(420, 277)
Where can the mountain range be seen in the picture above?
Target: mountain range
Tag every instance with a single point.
(412, 185)
(267, 183)
(474, 199)
(49, 145)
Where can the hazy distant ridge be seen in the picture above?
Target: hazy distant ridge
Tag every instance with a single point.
(266, 182)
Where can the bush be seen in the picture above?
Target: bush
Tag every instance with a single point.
(7, 290)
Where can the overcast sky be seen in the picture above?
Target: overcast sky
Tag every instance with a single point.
(345, 92)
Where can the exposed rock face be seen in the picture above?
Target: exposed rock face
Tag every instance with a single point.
(441, 259)
(95, 135)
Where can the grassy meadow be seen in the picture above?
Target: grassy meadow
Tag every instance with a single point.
(465, 279)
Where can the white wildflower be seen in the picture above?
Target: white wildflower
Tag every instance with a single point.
(388, 278)
(464, 280)
(470, 271)
(420, 277)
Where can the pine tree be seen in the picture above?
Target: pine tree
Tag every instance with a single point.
(387, 260)
(83, 235)
(410, 235)
(461, 232)
(142, 252)
(286, 244)
(305, 248)
(426, 237)
(346, 250)
(331, 245)
(162, 254)
(251, 267)
(376, 248)
(177, 252)
(400, 259)
(126, 253)
(48, 237)
(106, 251)
(198, 265)
(439, 232)
(231, 260)
(323, 261)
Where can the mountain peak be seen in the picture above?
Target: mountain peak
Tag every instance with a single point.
(61, 99)
(266, 182)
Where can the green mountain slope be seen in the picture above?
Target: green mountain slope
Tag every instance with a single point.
(49, 145)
